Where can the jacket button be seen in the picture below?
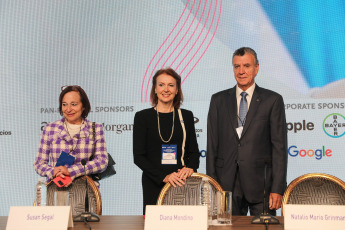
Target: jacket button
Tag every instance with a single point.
(239, 145)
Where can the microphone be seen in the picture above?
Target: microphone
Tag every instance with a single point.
(86, 216)
(265, 217)
(83, 163)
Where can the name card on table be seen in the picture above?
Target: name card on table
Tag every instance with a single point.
(40, 218)
(172, 217)
(314, 217)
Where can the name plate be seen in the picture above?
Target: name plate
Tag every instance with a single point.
(314, 217)
(172, 217)
(40, 217)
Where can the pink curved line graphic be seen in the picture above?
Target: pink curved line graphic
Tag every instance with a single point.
(214, 33)
(154, 68)
(143, 83)
(202, 30)
(202, 15)
(188, 41)
(201, 43)
(183, 36)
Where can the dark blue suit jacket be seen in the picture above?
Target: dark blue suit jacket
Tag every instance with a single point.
(263, 142)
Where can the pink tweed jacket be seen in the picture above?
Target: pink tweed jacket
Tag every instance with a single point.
(56, 139)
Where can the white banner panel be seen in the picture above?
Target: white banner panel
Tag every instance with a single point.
(314, 217)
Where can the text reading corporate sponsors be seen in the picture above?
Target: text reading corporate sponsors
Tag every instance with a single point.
(320, 105)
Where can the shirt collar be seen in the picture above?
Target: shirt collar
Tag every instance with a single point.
(84, 129)
(250, 91)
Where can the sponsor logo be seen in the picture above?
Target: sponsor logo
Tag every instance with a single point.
(198, 131)
(334, 125)
(43, 123)
(203, 153)
(5, 132)
(118, 128)
(294, 151)
(300, 126)
(318, 154)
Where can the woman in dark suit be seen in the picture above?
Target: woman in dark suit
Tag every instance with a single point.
(161, 149)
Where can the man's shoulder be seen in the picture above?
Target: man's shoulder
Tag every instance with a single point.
(267, 92)
(223, 93)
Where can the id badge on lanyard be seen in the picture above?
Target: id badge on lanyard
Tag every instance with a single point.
(65, 159)
(169, 154)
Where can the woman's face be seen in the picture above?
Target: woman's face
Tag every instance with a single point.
(166, 89)
(72, 107)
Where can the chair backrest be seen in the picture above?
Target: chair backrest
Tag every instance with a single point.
(189, 194)
(76, 196)
(315, 188)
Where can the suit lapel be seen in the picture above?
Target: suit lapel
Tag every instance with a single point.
(254, 105)
(232, 108)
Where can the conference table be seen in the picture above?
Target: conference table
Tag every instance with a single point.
(137, 223)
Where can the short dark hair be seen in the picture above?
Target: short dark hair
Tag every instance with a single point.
(178, 99)
(245, 50)
(83, 97)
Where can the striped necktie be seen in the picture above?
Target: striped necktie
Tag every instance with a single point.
(242, 113)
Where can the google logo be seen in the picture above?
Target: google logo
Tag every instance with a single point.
(317, 153)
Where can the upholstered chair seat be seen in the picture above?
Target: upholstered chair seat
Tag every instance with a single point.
(315, 189)
(74, 195)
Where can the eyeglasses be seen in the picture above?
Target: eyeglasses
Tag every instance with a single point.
(64, 87)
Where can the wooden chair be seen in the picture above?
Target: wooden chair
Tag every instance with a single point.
(315, 188)
(76, 196)
(189, 194)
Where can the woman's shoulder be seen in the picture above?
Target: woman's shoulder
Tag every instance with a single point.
(186, 112)
(144, 112)
(55, 125)
(53, 128)
(187, 115)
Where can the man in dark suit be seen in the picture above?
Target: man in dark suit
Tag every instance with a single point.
(247, 138)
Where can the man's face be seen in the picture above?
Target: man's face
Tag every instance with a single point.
(245, 70)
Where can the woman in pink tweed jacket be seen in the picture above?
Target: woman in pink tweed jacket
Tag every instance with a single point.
(72, 134)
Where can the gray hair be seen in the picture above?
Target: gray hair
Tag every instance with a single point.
(245, 50)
